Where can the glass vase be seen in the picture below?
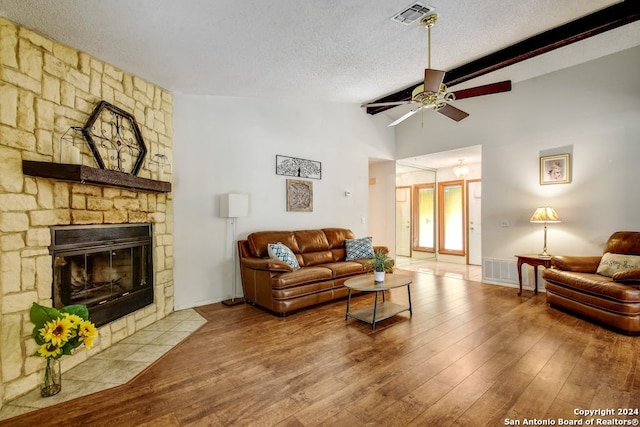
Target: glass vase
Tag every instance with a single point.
(52, 381)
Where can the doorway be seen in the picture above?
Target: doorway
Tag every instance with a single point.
(415, 235)
(445, 210)
(403, 221)
(474, 218)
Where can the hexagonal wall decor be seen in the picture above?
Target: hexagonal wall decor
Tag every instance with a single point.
(115, 139)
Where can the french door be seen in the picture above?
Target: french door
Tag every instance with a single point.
(429, 212)
(451, 218)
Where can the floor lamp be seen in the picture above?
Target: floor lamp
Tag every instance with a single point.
(234, 206)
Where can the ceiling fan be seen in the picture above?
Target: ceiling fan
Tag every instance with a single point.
(433, 92)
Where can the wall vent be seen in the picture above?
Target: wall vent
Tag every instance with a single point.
(412, 13)
(499, 270)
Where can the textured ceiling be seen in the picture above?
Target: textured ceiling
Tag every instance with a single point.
(344, 51)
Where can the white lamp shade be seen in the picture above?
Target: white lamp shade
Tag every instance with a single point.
(233, 205)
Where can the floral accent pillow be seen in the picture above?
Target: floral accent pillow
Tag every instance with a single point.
(612, 263)
(283, 253)
(359, 248)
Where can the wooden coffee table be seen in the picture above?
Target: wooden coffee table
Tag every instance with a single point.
(384, 309)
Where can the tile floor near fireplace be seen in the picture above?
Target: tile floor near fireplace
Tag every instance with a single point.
(121, 362)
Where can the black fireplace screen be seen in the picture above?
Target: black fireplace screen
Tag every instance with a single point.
(108, 268)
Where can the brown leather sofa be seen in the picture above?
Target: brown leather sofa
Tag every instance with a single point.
(573, 284)
(281, 289)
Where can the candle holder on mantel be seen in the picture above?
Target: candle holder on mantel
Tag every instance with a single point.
(159, 162)
(71, 144)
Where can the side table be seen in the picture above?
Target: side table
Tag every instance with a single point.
(535, 261)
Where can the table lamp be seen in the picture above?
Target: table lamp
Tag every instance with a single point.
(545, 214)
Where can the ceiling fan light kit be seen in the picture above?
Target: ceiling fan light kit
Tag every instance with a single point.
(433, 93)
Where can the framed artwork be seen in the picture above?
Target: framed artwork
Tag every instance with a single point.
(115, 139)
(555, 169)
(299, 195)
(301, 168)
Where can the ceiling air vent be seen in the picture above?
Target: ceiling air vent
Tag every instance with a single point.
(412, 13)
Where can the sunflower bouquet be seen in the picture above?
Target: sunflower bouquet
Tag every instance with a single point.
(58, 332)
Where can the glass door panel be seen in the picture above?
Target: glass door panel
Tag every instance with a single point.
(423, 215)
(451, 217)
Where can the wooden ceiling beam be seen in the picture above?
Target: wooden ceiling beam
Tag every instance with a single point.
(615, 16)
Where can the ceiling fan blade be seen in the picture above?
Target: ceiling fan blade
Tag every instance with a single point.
(386, 104)
(452, 112)
(433, 79)
(406, 116)
(484, 90)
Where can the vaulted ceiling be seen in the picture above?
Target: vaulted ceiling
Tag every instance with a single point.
(338, 51)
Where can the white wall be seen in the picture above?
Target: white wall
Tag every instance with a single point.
(591, 111)
(382, 206)
(224, 144)
(229, 145)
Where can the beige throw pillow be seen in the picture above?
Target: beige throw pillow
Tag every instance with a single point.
(613, 263)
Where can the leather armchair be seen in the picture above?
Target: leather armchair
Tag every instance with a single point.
(573, 284)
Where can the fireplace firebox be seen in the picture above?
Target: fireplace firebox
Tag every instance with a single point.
(108, 268)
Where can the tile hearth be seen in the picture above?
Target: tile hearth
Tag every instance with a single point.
(118, 364)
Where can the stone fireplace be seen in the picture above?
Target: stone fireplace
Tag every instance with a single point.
(108, 268)
(47, 88)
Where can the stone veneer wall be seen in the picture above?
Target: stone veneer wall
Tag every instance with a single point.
(45, 88)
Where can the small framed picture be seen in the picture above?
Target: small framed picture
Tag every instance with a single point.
(299, 195)
(555, 169)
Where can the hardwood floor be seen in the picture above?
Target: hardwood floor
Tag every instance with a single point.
(471, 355)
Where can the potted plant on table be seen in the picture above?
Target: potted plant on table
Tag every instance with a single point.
(381, 262)
(58, 332)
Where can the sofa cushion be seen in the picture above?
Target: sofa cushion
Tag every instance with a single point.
(315, 258)
(630, 277)
(259, 240)
(612, 263)
(359, 248)
(283, 253)
(292, 292)
(337, 236)
(344, 268)
(592, 305)
(311, 241)
(301, 276)
(594, 284)
(579, 264)
(623, 242)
